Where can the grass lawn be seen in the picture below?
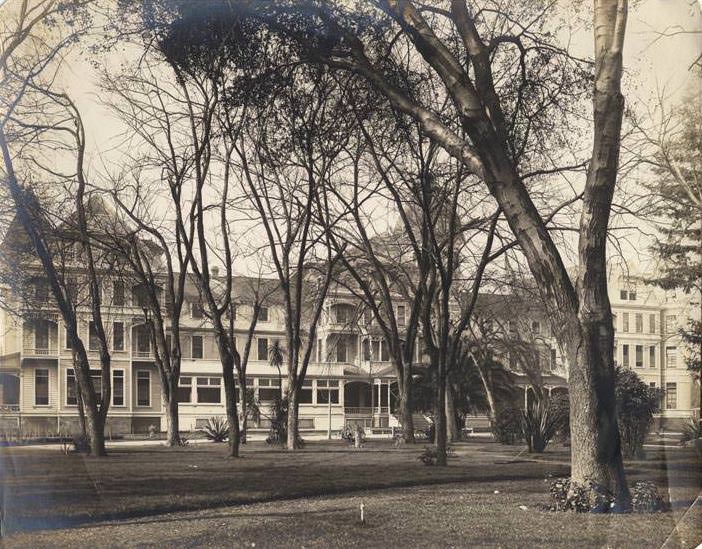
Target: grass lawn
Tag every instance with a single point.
(196, 496)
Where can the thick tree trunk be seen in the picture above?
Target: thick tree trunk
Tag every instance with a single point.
(596, 456)
(293, 411)
(404, 387)
(95, 427)
(453, 433)
(172, 420)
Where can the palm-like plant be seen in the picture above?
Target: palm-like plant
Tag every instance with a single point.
(216, 429)
(275, 358)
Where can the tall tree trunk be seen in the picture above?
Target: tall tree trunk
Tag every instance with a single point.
(440, 419)
(232, 415)
(172, 420)
(453, 433)
(293, 411)
(244, 410)
(95, 428)
(404, 387)
(596, 445)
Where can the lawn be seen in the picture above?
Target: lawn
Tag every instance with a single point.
(196, 496)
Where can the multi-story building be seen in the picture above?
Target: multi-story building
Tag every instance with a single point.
(350, 378)
(647, 322)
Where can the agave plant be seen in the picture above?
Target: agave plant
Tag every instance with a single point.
(541, 422)
(216, 429)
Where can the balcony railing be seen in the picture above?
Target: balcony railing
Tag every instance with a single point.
(142, 354)
(365, 410)
(40, 351)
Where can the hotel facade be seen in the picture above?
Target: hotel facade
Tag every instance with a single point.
(350, 378)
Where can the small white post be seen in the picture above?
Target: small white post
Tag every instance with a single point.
(363, 520)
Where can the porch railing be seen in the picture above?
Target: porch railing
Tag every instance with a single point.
(9, 408)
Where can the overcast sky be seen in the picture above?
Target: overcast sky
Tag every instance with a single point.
(654, 63)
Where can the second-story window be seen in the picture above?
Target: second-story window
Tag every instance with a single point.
(262, 348)
(625, 322)
(401, 315)
(639, 323)
(652, 324)
(118, 293)
(671, 324)
(536, 327)
(263, 314)
(196, 310)
(41, 291)
(638, 358)
(614, 321)
(93, 341)
(118, 336)
(197, 348)
(341, 350)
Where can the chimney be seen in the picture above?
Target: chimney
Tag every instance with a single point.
(215, 271)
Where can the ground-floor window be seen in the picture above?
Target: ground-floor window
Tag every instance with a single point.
(185, 389)
(208, 390)
(268, 389)
(41, 387)
(143, 388)
(671, 396)
(305, 396)
(327, 391)
(118, 387)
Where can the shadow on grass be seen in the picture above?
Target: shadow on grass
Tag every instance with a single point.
(29, 524)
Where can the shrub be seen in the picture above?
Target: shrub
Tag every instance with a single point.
(692, 430)
(582, 499)
(636, 404)
(507, 426)
(216, 429)
(645, 497)
(429, 455)
(278, 433)
(81, 444)
(541, 422)
(592, 498)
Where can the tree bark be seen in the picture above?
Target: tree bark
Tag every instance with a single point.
(243, 406)
(293, 412)
(230, 397)
(172, 420)
(440, 419)
(404, 387)
(453, 433)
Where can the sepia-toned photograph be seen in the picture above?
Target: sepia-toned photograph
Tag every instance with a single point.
(351, 273)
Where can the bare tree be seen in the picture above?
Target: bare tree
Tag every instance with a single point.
(458, 46)
(36, 118)
(284, 182)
